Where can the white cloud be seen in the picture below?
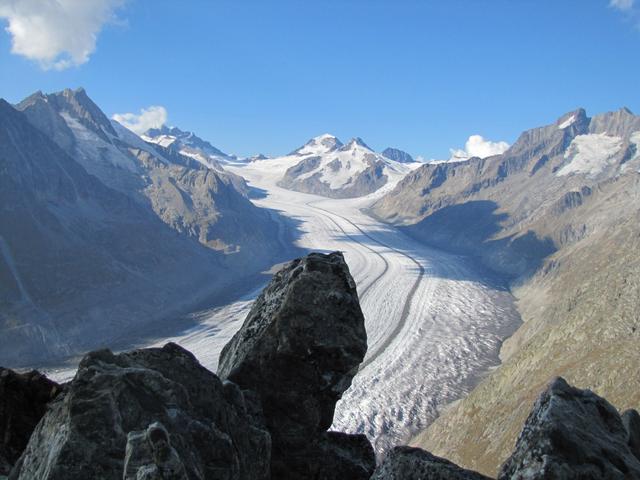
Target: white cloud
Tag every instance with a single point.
(56, 33)
(478, 146)
(624, 5)
(152, 117)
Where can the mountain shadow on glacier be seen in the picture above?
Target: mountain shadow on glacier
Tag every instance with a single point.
(470, 228)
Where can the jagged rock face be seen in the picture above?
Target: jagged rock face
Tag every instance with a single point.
(23, 402)
(397, 155)
(299, 349)
(109, 411)
(407, 463)
(572, 434)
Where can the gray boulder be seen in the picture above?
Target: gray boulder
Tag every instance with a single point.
(299, 349)
(407, 463)
(571, 434)
(104, 424)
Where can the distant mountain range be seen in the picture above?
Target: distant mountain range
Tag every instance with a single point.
(330, 168)
(102, 232)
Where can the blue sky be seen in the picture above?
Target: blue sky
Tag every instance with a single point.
(264, 76)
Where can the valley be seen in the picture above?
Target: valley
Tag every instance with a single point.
(435, 321)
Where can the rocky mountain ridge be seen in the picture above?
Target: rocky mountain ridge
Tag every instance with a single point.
(557, 214)
(158, 414)
(188, 144)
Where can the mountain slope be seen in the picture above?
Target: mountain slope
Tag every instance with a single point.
(103, 233)
(197, 199)
(75, 253)
(324, 166)
(397, 155)
(558, 214)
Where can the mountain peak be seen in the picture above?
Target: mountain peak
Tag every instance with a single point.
(79, 105)
(576, 116)
(324, 143)
(356, 142)
(189, 142)
(165, 130)
(397, 155)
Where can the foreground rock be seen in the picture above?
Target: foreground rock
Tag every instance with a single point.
(23, 402)
(572, 434)
(407, 463)
(153, 413)
(299, 349)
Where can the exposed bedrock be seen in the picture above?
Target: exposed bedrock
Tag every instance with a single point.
(408, 463)
(299, 349)
(574, 434)
(107, 417)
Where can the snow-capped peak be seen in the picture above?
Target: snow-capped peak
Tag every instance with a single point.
(319, 145)
(356, 143)
(189, 144)
(575, 117)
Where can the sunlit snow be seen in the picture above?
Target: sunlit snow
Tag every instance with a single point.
(567, 123)
(590, 154)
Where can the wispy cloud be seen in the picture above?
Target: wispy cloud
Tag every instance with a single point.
(478, 146)
(152, 117)
(630, 9)
(57, 34)
(624, 5)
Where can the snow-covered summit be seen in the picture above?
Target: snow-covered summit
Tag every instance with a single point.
(326, 166)
(189, 144)
(319, 145)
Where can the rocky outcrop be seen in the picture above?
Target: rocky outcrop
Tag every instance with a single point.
(397, 155)
(407, 463)
(152, 413)
(299, 349)
(572, 434)
(23, 402)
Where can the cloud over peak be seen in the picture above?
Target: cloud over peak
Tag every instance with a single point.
(478, 146)
(152, 117)
(56, 33)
